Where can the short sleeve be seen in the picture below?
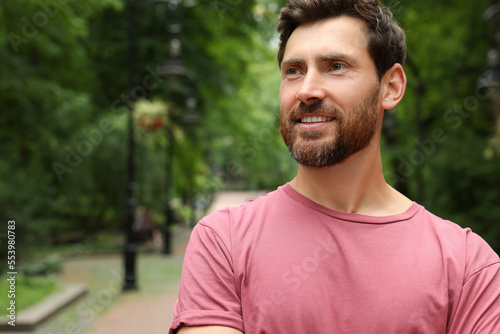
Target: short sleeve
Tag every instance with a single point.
(207, 292)
(478, 310)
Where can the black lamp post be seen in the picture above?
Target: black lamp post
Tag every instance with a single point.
(174, 71)
(130, 252)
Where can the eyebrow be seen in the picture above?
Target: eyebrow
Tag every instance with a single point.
(292, 61)
(339, 56)
(321, 58)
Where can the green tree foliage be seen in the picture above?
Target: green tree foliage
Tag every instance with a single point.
(65, 99)
(446, 119)
(46, 100)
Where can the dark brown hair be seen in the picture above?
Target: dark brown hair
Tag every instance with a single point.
(386, 39)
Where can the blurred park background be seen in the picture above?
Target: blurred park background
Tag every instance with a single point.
(121, 119)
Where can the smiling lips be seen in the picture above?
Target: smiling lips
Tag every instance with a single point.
(315, 119)
(313, 123)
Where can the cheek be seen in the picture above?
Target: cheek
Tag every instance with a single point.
(287, 96)
(346, 99)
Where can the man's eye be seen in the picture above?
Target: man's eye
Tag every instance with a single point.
(338, 67)
(292, 71)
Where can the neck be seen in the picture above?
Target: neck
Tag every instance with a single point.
(356, 185)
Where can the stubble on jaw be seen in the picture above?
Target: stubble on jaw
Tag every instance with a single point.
(353, 132)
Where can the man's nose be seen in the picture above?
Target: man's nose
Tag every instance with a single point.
(312, 89)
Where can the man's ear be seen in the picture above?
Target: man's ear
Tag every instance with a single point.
(393, 87)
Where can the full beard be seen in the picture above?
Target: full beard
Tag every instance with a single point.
(355, 129)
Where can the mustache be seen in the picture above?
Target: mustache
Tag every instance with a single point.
(317, 107)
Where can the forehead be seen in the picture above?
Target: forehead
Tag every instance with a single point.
(343, 34)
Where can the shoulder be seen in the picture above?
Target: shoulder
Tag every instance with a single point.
(461, 243)
(227, 219)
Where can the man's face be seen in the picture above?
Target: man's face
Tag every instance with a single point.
(329, 94)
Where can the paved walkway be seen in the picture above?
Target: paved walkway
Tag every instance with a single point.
(147, 312)
(143, 311)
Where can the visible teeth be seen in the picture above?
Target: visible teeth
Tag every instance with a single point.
(315, 119)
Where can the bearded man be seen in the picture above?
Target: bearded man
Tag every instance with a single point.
(337, 249)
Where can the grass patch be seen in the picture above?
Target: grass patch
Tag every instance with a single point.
(28, 290)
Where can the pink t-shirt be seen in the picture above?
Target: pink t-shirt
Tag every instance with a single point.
(285, 264)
